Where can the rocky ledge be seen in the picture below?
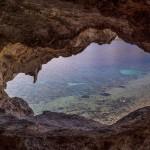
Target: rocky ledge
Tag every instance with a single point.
(29, 29)
(55, 131)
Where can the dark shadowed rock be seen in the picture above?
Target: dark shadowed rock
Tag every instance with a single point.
(73, 24)
(54, 131)
(105, 94)
(34, 31)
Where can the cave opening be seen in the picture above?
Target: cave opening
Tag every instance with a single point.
(103, 82)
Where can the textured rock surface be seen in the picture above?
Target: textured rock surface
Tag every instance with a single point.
(59, 24)
(35, 31)
(15, 106)
(52, 131)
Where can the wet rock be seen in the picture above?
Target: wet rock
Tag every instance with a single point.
(122, 86)
(85, 96)
(105, 94)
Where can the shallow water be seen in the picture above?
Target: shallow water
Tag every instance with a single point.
(96, 83)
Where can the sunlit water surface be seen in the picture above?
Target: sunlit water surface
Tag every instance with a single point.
(101, 82)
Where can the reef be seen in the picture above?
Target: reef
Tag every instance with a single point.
(32, 32)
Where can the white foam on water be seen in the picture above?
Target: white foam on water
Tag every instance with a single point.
(75, 84)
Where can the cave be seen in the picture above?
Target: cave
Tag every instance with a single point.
(95, 83)
(97, 51)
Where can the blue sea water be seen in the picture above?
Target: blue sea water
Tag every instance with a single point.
(97, 68)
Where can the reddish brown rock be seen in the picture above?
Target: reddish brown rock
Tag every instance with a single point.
(56, 23)
(34, 31)
(54, 131)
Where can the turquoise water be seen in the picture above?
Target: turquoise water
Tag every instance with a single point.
(92, 72)
(130, 72)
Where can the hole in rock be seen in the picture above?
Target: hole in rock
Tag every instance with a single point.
(104, 83)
